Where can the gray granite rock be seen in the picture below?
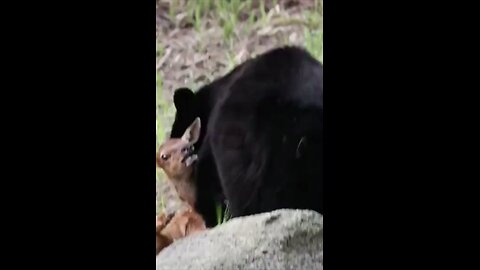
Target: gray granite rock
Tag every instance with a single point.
(282, 239)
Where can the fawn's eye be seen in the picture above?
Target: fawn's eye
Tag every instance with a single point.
(164, 157)
(184, 150)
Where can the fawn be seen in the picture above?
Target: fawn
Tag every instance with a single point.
(176, 158)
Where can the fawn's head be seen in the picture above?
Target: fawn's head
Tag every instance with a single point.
(176, 156)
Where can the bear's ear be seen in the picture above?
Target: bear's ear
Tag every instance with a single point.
(182, 98)
(193, 131)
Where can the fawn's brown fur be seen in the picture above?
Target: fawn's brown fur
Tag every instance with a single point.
(176, 158)
(184, 223)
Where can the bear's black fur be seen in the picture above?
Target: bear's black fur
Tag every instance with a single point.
(261, 144)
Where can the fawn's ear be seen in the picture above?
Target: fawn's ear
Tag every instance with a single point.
(193, 131)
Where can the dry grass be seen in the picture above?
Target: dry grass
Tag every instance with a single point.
(198, 41)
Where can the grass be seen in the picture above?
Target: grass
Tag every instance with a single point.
(222, 34)
(222, 216)
(314, 44)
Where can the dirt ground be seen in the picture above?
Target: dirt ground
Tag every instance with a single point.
(198, 41)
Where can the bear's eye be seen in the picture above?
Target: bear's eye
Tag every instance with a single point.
(164, 157)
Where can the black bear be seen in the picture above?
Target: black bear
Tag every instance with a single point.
(261, 147)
